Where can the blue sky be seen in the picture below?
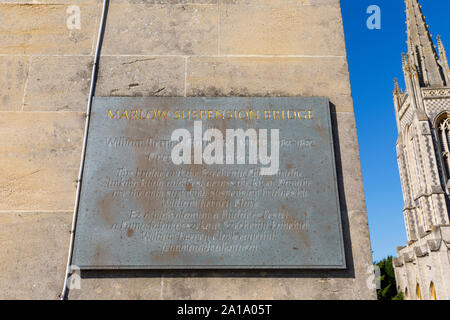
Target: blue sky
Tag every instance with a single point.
(374, 61)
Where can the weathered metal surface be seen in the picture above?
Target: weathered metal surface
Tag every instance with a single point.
(139, 210)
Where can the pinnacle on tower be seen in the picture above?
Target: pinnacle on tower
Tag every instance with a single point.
(443, 60)
(421, 50)
(397, 90)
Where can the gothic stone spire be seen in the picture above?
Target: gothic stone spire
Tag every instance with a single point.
(421, 50)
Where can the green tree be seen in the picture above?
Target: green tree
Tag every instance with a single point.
(388, 289)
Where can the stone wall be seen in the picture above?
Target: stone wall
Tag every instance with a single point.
(425, 264)
(162, 48)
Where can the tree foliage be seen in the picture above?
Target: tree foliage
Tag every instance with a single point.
(388, 289)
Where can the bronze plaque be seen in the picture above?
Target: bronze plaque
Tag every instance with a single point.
(209, 183)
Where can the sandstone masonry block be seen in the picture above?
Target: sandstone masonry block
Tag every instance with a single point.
(72, 2)
(33, 254)
(171, 2)
(262, 30)
(13, 77)
(42, 29)
(141, 76)
(58, 83)
(280, 2)
(39, 159)
(350, 162)
(250, 76)
(161, 29)
(104, 285)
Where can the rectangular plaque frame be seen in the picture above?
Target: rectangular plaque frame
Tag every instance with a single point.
(138, 210)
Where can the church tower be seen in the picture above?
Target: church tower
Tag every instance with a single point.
(423, 153)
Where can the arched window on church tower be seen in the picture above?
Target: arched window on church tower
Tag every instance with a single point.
(418, 292)
(443, 128)
(433, 291)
